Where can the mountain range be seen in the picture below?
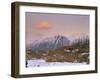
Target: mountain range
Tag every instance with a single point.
(49, 43)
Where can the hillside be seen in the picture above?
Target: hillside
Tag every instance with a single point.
(61, 51)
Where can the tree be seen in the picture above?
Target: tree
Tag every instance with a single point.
(82, 44)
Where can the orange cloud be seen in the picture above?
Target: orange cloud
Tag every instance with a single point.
(43, 25)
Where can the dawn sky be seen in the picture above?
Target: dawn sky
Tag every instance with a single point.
(42, 25)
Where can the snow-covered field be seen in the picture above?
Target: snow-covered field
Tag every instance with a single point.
(43, 63)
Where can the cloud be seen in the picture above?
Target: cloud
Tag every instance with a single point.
(43, 25)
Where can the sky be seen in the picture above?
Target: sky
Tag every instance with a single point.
(42, 25)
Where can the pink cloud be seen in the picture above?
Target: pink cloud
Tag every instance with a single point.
(43, 25)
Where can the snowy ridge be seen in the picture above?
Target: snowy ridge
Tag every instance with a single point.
(49, 43)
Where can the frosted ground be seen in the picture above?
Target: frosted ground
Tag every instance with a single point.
(43, 63)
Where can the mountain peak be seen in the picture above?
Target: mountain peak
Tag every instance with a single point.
(54, 42)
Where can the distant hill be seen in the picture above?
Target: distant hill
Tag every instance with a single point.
(54, 42)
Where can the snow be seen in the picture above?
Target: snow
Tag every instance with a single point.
(43, 63)
(84, 53)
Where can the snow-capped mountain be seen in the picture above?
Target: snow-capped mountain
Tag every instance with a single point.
(49, 43)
